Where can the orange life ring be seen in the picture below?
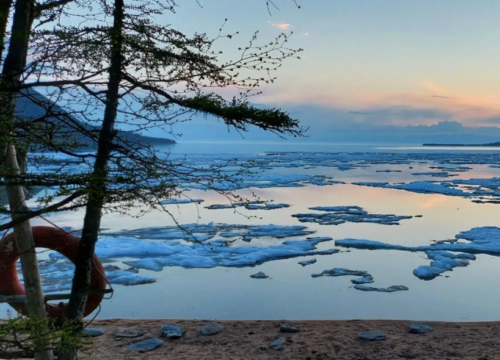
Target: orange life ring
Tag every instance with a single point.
(53, 239)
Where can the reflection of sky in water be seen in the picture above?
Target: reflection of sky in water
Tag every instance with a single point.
(469, 293)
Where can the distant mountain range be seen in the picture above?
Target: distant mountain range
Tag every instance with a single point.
(493, 144)
(30, 110)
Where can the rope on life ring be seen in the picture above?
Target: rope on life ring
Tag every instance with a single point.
(53, 239)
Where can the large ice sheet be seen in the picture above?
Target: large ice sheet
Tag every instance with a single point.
(155, 255)
(205, 232)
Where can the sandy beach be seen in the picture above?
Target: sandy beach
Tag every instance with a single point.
(317, 340)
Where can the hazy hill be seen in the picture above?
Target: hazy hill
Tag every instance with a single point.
(29, 110)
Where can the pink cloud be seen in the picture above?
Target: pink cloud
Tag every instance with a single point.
(281, 26)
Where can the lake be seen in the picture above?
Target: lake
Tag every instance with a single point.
(304, 176)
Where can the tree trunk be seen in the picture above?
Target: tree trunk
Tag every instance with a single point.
(12, 71)
(26, 247)
(97, 185)
(4, 16)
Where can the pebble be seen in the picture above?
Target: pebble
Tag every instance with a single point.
(172, 331)
(372, 335)
(132, 332)
(278, 344)
(211, 329)
(93, 331)
(289, 329)
(417, 328)
(146, 345)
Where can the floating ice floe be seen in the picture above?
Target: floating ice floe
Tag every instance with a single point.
(366, 279)
(190, 232)
(234, 205)
(451, 168)
(128, 278)
(445, 255)
(56, 274)
(259, 275)
(263, 180)
(155, 255)
(342, 272)
(478, 190)
(200, 167)
(434, 174)
(308, 262)
(275, 231)
(389, 289)
(422, 187)
(181, 201)
(336, 215)
(147, 249)
(360, 283)
(251, 205)
(271, 206)
(205, 232)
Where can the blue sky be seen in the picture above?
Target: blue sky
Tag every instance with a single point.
(429, 56)
(418, 68)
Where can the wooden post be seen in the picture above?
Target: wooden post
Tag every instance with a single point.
(26, 246)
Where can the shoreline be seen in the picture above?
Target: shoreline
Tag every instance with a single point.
(317, 340)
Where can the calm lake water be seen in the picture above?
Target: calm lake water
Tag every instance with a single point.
(466, 294)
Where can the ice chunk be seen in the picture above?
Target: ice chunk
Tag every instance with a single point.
(267, 206)
(366, 279)
(181, 201)
(308, 262)
(434, 174)
(128, 278)
(275, 231)
(341, 272)
(389, 289)
(336, 215)
(259, 275)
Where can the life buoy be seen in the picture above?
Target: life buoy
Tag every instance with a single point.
(53, 239)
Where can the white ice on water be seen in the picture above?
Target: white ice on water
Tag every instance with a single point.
(181, 201)
(445, 255)
(156, 248)
(337, 215)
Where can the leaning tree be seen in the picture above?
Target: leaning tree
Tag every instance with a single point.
(120, 65)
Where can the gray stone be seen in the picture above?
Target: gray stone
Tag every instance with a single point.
(132, 332)
(210, 329)
(146, 345)
(278, 344)
(289, 329)
(93, 331)
(417, 328)
(172, 331)
(259, 275)
(372, 335)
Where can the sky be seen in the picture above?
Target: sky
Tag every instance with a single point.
(377, 62)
